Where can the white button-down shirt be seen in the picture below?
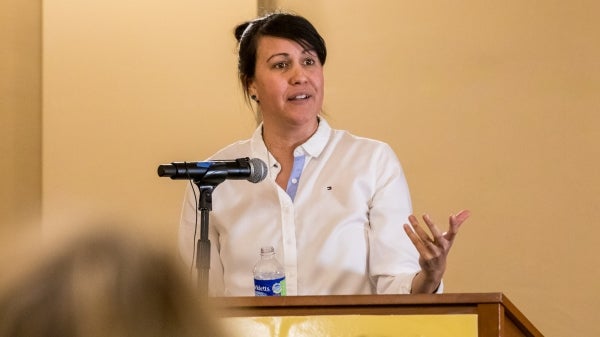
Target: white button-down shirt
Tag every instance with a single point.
(339, 233)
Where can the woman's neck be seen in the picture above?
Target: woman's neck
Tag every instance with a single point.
(285, 139)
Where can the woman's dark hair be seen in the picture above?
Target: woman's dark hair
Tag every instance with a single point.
(283, 25)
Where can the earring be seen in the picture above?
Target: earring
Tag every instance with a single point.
(254, 98)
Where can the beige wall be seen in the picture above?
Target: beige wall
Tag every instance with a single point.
(490, 106)
(128, 86)
(495, 107)
(20, 114)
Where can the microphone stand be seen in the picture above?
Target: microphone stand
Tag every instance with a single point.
(203, 244)
(206, 186)
(207, 180)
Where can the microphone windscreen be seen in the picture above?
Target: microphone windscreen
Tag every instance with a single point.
(258, 170)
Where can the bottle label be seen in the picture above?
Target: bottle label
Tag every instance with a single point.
(274, 287)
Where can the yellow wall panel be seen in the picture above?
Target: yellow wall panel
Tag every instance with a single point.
(355, 326)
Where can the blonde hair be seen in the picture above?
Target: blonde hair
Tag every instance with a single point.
(104, 283)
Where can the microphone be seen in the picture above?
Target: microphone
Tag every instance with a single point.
(216, 171)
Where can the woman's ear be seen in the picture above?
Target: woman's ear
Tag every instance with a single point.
(252, 91)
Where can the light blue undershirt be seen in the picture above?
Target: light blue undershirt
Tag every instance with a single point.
(292, 185)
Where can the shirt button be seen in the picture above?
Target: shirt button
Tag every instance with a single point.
(294, 181)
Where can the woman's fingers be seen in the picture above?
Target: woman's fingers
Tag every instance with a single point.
(456, 220)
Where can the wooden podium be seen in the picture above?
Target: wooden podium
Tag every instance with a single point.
(490, 314)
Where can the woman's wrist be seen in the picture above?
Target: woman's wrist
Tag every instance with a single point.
(425, 283)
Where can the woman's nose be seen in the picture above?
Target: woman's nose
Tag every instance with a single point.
(298, 75)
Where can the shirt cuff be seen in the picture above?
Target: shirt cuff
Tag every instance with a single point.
(400, 284)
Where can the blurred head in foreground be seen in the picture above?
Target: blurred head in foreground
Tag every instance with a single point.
(103, 283)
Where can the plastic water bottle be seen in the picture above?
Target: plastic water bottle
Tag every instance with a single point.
(269, 275)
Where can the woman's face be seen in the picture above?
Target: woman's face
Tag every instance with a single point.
(288, 82)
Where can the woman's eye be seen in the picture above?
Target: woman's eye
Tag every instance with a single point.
(280, 65)
(309, 62)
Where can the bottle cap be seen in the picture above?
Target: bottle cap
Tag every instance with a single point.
(267, 249)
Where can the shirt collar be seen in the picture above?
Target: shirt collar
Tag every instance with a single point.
(258, 146)
(316, 143)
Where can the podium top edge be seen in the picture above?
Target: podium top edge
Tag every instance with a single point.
(354, 300)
